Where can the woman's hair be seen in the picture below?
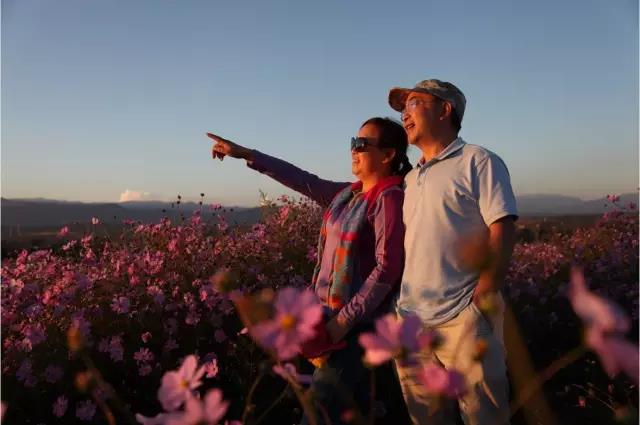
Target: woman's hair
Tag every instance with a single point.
(392, 135)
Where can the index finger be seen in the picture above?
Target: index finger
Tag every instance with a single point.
(216, 138)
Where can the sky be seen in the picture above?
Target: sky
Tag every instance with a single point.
(110, 100)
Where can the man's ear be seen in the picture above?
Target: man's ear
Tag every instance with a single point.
(447, 110)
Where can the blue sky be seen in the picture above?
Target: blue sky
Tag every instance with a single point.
(100, 97)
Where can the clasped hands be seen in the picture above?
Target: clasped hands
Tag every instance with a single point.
(321, 344)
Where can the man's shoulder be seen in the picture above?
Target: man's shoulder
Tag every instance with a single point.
(476, 151)
(477, 154)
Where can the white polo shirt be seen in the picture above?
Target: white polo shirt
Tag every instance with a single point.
(448, 200)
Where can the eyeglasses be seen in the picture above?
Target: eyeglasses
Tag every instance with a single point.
(359, 144)
(412, 104)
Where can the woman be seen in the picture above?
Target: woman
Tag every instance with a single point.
(360, 250)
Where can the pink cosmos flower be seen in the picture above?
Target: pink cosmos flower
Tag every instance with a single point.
(439, 381)
(219, 335)
(85, 410)
(613, 198)
(145, 369)
(24, 372)
(394, 339)
(146, 337)
(95, 220)
(289, 373)
(63, 232)
(170, 345)
(143, 355)
(120, 305)
(211, 365)
(296, 315)
(33, 335)
(69, 245)
(209, 411)
(52, 374)
(594, 310)
(606, 325)
(178, 385)
(60, 406)
(113, 346)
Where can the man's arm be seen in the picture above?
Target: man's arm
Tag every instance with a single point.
(502, 238)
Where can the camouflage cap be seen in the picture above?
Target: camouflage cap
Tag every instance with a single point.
(441, 89)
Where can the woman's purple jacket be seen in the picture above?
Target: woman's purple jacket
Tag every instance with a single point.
(380, 249)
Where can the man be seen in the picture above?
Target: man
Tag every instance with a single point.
(459, 213)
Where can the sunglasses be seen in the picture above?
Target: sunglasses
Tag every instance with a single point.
(359, 144)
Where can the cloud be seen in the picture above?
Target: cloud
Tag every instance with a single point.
(134, 195)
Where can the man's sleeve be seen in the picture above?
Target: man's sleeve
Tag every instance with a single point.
(494, 193)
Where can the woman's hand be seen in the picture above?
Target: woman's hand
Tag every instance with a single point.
(336, 329)
(224, 147)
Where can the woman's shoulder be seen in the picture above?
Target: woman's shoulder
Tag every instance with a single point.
(391, 193)
(391, 198)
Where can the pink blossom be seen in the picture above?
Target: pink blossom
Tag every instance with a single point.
(170, 345)
(177, 386)
(120, 305)
(160, 419)
(296, 315)
(172, 246)
(312, 254)
(95, 220)
(210, 411)
(143, 355)
(24, 372)
(606, 325)
(34, 335)
(146, 337)
(60, 406)
(85, 410)
(211, 365)
(219, 335)
(594, 310)
(613, 198)
(145, 369)
(63, 232)
(113, 346)
(442, 382)
(53, 374)
(394, 339)
(289, 373)
(69, 245)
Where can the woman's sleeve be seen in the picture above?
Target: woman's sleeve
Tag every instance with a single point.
(321, 191)
(389, 233)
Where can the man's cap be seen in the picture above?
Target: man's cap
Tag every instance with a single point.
(440, 89)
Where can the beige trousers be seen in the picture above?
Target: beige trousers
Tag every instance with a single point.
(486, 401)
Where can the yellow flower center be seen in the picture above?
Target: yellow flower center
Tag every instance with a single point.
(287, 321)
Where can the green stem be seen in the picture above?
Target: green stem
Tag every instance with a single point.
(274, 404)
(373, 396)
(247, 403)
(545, 375)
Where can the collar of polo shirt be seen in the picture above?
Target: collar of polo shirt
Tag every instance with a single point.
(453, 147)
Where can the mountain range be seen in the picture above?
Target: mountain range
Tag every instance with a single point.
(44, 212)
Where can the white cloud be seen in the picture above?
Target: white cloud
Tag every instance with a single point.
(134, 195)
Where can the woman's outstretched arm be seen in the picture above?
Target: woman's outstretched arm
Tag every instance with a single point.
(320, 190)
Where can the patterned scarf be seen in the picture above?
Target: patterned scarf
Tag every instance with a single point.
(345, 277)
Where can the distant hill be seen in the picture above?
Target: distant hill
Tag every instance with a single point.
(44, 212)
(552, 205)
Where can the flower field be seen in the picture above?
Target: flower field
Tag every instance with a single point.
(199, 321)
